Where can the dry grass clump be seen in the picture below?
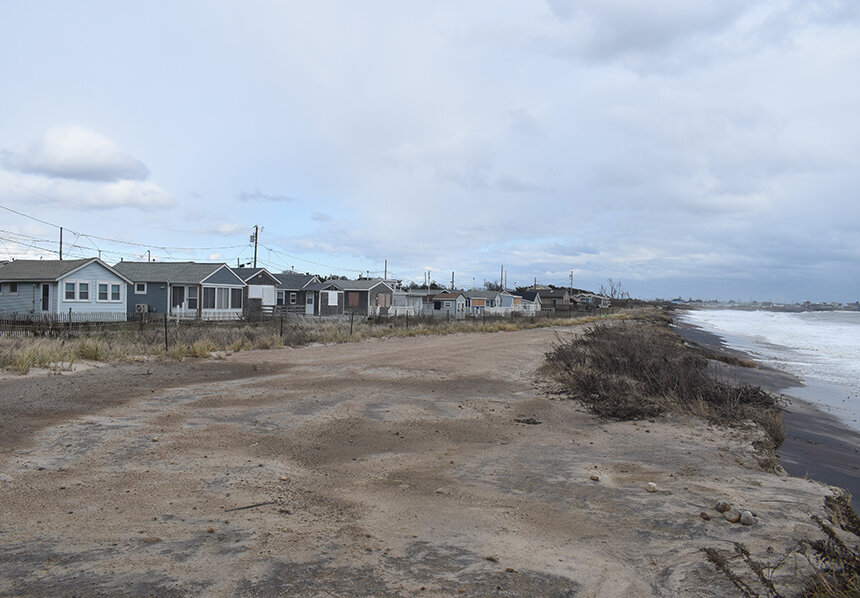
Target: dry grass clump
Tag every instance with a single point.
(826, 567)
(133, 341)
(640, 368)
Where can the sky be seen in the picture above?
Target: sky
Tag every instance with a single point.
(693, 148)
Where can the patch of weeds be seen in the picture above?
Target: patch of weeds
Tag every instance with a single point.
(638, 369)
(827, 567)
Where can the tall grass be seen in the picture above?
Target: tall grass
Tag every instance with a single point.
(202, 339)
(639, 369)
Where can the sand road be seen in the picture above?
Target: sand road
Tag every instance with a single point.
(383, 468)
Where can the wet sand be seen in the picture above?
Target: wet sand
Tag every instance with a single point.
(817, 445)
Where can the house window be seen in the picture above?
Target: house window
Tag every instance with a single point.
(353, 299)
(192, 298)
(13, 288)
(107, 291)
(76, 291)
(280, 297)
(222, 296)
(178, 296)
(209, 298)
(292, 298)
(140, 288)
(236, 298)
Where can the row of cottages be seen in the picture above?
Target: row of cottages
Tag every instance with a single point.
(84, 289)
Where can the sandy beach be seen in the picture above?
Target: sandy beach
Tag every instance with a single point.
(817, 444)
(437, 466)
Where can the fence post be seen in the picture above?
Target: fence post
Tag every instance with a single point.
(165, 332)
(69, 333)
(407, 318)
(448, 316)
(351, 316)
(282, 326)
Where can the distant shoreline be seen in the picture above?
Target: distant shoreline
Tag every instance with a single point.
(817, 444)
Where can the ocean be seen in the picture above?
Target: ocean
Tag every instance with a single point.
(820, 348)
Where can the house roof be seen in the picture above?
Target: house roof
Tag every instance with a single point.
(322, 286)
(553, 293)
(448, 295)
(48, 270)
(170, 272)
(247, 274)
(293, 281)
(528, 295)
(482, 294)
(361, 285)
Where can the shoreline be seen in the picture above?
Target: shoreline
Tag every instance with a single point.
(817, 444)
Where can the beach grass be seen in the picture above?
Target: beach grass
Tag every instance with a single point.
(639, 368)
(205, 339)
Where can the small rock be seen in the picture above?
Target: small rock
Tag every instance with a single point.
(492, 559)
(722, 506)
(509, 569)
(747, 518)
(594, 478)
(705, 516)
(732, 516)
(151, 540)
(440, 491)
(652, 487)
(210, 530)
(155, 439)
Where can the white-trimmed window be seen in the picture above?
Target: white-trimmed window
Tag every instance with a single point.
(108, 292)
(140, 288)
(208, 297)
(292, 298)
(192, 298)
(222, 298)
(76, 291)
(280, 297)
(236, 298)
(12, 287)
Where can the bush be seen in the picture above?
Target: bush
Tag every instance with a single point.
(639, 369)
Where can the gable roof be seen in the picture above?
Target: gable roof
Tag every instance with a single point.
(528, 295)
(448, 295)
(49, 270)
(247, 274)
(170, 272)
(551, 293)
(322, 286)
(293, 281)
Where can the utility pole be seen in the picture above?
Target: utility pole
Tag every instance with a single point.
(385, 276)
(571, 282)
(61, 244)
(501, 275)
(452, 280)
(254, 239)
(148, 256)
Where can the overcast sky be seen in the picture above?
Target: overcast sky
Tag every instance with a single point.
(703, 148)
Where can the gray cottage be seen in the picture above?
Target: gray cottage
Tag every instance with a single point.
(184, 289)
(87, 289)
(292, 295)
(260, 289)
(366, 297)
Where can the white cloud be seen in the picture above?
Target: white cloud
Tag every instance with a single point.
(28, 190)
(75, 153)
(257, 195)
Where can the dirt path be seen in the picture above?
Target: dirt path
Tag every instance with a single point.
(384, 468)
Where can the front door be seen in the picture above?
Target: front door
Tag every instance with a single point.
(46, 297)
(309, 303)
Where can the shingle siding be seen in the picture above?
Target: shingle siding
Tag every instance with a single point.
(223, 277)
(155, 297)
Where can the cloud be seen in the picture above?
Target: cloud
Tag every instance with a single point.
(75, 153)
(320, 217)
(257, 195)
(31, 189)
